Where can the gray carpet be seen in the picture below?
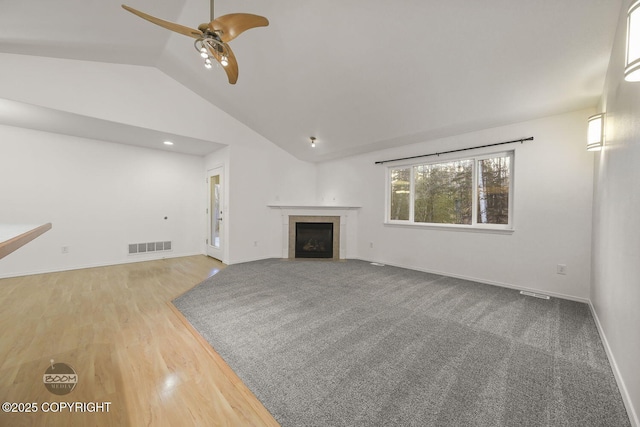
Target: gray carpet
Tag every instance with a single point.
(352, 344)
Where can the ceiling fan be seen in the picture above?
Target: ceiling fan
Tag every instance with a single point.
(212, 38)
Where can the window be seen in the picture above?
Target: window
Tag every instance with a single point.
(400, 200)
(475, 192)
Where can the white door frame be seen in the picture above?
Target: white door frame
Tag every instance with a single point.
(216, 243)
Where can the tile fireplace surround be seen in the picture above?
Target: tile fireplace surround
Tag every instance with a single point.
(344, 219)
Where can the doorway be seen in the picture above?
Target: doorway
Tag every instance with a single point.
(215, 243)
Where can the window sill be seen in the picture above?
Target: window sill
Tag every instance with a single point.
(453, 227)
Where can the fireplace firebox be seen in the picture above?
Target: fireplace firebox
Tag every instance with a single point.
(314, 240)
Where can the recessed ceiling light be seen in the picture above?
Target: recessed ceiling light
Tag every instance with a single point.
(168, 143)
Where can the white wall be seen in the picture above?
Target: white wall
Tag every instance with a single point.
(257, 171)
(257, 174)
(553, 195)
(99, 196)
(615, 292)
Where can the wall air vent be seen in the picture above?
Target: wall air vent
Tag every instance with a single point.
(140, 248)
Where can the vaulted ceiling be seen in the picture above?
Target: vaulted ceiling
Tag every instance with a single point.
(359, 75)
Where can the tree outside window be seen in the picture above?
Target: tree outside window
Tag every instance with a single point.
(474, 191)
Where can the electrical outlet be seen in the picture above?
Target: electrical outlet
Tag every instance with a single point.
(255, 243)
(562, 269)
(371, 244)
(64, 249)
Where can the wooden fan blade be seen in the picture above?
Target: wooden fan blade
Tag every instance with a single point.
(232, 67)
(190, 32)
(231, 26)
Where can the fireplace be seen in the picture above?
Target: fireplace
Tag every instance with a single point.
(312, 236)
(314, 240)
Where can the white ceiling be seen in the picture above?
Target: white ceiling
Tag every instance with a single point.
(359, 75)
(30, 116)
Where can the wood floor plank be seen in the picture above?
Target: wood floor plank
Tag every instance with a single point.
(129, 346)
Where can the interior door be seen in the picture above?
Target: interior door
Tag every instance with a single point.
(215, 244)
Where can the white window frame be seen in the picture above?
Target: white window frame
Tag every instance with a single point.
(474, 226)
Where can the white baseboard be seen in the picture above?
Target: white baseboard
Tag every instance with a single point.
(489, 282)
(260, 258)
(131, 260)
(631, 412)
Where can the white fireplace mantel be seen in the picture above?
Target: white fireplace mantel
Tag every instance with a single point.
(314, 207)
(348, 224)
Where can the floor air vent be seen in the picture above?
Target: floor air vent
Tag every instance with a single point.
(140, 248)
(533, 294)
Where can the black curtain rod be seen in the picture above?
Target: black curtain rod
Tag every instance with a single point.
(455, 151)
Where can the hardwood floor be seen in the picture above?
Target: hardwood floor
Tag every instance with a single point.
(128, 345)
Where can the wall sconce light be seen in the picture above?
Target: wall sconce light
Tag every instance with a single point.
(632, 62)
(313, 141)
(595, 132)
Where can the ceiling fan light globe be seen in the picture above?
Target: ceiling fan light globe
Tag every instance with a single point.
(224, 61)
